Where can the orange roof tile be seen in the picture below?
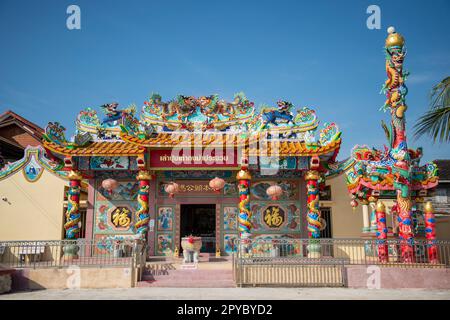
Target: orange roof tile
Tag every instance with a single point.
(134, 146)
(103, 148)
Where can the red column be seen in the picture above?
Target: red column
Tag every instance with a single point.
(430, 233)
(142, 213)
(245, 226)
(383, 249)
(406, 234)
(73, 206)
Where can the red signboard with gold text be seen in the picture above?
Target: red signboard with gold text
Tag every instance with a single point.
(185, 158)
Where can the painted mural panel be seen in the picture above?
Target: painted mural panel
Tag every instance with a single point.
(164, 244)
(280, 174)
(290, 190)
(195, 174)
(105, 244)
(32, 170)
(275, 217)
(165, 218)
(109, 163)
(272, 244)
(116, 174)
(228, 243)
(230, 214)
(165, 230)
(126, 190)
(277, 163)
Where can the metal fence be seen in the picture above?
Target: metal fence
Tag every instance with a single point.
(64, 253)
(322, 262)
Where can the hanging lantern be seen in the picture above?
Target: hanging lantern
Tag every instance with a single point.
(354, 204)
(109, 185)
(217, 184)
(171, 189)
(274, 192)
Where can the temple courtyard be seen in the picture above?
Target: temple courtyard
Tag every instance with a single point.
(232, 294)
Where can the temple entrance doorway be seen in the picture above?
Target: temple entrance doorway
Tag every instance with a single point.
(199, 220)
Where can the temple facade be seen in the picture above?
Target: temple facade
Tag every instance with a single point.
(226, 170)
(197, 166)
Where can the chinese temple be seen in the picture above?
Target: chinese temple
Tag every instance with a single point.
(225, 170)
(197, 166)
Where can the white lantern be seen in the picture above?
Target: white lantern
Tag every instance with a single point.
(274, 192)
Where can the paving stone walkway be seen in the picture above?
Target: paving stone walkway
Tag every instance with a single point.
(231, 293)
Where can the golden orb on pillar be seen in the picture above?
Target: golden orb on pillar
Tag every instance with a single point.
(429, 207)
(243, 175)
(394, 39)
(380, 206)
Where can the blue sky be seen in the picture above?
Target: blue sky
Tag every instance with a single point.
(317, 53)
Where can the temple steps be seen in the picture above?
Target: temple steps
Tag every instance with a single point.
(188, 278)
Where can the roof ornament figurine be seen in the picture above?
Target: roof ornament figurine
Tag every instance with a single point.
(219, 123)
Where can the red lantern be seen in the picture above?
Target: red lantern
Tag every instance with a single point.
(354, 204)
(274, 192)
(217, 184)
(109, 185)
(171, 189)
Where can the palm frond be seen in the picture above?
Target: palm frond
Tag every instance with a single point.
(436, 122)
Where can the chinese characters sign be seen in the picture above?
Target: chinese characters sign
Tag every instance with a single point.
(274, 216)
(121, 217)
(163, 159)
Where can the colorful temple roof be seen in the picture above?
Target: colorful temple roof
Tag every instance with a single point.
(206, 121)
(100, 148)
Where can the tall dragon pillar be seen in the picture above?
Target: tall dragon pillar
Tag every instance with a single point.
(313, 214)
(73, 216)
(243, 177)
(396, 90)
(73, 206)
(142, 214)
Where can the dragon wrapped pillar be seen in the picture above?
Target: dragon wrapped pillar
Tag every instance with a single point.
(142, 214)
(396, 90)
(313, 213)
(73, 216)
(430, 233)
(383, 251)
(243, 177)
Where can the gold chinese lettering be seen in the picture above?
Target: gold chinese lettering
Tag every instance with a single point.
(273, 218)
(121, 217)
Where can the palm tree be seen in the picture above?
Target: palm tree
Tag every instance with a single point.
(436, 121)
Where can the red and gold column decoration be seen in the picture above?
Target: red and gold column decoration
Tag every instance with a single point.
(243, 177)
(313, 214)
(396, 91)
(383, 249)
(71, 226)
(430, 233)
(406, 234)
(142, 214)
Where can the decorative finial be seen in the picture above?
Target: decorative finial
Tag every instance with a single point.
(391, 30)
(380, 206)
(394, 39)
